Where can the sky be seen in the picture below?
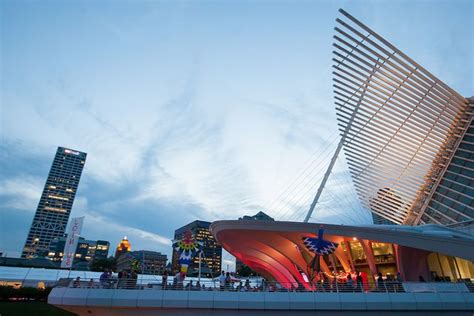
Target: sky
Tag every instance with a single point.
(190, 110)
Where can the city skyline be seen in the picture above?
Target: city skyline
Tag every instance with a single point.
(199, 127)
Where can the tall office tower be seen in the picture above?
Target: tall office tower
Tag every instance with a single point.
(212, 252)
(55, 205)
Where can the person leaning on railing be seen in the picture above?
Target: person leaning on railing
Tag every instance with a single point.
(164, 280)
(133, 279)
(77, 282)
(122, 277)
(349, 283)
(222, 279)
(359, 282)
(380, 283)
(104, 279)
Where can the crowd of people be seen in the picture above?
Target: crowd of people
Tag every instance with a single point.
(224, 282)
(322, 282)
(358, 282)
(126, 279)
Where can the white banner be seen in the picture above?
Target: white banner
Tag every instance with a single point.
(71, 241)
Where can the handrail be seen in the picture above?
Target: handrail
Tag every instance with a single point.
(265, 286)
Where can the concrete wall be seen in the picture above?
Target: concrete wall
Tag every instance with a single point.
(414, 262)
(140, 302)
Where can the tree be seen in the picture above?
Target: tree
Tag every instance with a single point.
(100, 265)
(245, 271)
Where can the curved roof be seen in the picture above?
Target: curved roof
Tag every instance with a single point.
(268, 236)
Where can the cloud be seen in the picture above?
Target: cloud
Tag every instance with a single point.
(141, 235)
(22, 192)
(97, 225)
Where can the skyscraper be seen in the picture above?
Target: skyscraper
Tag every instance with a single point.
(56, 201)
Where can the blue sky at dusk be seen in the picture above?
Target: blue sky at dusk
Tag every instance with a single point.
(192, 109)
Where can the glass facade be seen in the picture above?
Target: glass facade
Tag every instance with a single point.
(383, 252)
(447, 268)
(357, 253)
(86, 250)
(453, 200)
(379, 220)
(56, 201)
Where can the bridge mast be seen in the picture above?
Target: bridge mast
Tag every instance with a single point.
(338, 149)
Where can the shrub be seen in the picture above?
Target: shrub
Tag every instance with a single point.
(23, 293)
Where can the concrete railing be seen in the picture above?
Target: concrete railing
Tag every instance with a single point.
(77, 299)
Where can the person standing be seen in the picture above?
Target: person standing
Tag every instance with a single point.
(164, 280)
(247, 286)
(264, 285)
(77, 282)
(133, 279)
(399, 277)
(380, 283)
(189, 286)
(350, 283)
(359, 282)
(104, 279)
(227, 281)
(179, 277)
(120, 279)
(125, 278)
(222, 280)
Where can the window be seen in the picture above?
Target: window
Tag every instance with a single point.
(357, 252)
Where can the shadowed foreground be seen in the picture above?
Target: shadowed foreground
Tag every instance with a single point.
(31, 308)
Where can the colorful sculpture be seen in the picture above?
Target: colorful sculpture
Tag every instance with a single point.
(135, 264)
(320, 247)
(187, 248)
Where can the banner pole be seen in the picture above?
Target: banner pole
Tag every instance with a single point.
(199, 275)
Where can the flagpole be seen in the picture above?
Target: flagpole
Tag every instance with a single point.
(199, 275)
